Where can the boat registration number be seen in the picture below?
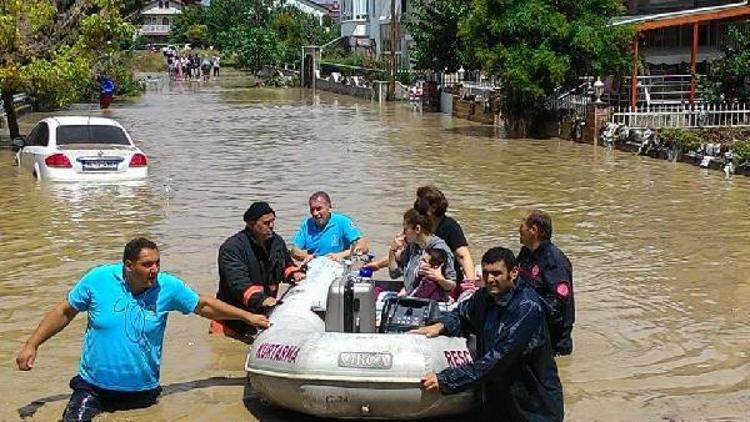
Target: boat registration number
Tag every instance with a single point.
(368, 360)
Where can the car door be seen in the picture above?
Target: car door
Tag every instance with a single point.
(35, 150)
(41, 141)
(27, 153)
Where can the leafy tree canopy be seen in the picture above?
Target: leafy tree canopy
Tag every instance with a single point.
(728, 78)
(433, 25)
(535, 46)
(531, 46)
(255, 31)
(51, 48)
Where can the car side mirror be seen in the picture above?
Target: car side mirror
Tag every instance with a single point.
(19, 142)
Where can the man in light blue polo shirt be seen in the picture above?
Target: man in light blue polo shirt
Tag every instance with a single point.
(127, 305)
(326, 233)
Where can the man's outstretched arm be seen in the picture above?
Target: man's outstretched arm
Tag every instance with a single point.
(52, 323)
(214, 309)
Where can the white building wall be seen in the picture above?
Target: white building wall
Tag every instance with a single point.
(305, 8)
(363, 18)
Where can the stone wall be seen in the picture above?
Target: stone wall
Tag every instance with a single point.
(339, 88)
(476, 111)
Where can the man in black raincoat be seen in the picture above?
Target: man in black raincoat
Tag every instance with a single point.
(514, 370)
(546, 268)
(252, 263)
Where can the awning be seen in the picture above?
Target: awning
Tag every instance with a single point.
(671, 56)
(684, 17)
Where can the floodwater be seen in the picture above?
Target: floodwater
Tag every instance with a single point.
(661, 251)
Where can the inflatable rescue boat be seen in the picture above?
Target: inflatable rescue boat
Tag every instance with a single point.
(324, 354)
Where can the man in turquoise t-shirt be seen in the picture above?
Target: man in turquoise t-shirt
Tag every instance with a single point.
(127, 305)
(326, 233)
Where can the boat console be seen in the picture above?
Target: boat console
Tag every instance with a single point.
(402, 314)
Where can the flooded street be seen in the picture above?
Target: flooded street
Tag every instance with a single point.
(660, 251)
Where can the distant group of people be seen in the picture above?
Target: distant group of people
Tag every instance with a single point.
(521, 309)
(192, 67)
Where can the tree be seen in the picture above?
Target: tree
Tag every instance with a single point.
(255, 47)
(46, 44)
(728, 78)
(196, 34)
(224, 18)
(256, 32)
(434, 28)
(296, 29)
(535, 46)
(187, 22)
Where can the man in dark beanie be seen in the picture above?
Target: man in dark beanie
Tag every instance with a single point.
(252, 263)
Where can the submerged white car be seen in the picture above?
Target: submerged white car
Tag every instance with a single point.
(72, 149)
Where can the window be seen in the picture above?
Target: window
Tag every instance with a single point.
(42, 138)
(39, 136)
(360, 9)
(31, 139)
(161, 5)
(91, 134)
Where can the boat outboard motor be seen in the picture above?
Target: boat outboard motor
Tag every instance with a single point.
(350, 305)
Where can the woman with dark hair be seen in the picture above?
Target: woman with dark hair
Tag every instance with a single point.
(405, 255)
(431, 202)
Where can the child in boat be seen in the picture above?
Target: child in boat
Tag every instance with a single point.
(428, 288)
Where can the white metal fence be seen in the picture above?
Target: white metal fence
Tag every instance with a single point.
(683, 116)
(572, 102)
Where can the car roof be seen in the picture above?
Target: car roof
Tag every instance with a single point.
(83, 121)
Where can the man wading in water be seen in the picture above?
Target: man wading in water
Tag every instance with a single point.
(514, 370)
(127, 306)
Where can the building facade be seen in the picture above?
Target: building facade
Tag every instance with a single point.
(307, 6)
(157, 18)
(671, 31)
(367, 26)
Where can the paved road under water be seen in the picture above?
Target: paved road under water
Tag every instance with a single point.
(660, 250)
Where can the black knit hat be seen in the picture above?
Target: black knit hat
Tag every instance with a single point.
(257, 210)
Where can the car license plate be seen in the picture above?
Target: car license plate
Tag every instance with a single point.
(99, 165)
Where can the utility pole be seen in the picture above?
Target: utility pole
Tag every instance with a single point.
(392, 70)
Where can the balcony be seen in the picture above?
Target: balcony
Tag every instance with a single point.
(155, 29)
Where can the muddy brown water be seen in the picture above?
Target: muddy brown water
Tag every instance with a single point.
(660, 250)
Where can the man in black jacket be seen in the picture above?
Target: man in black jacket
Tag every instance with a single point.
(514, 370)
(548, 270)
(252, 263)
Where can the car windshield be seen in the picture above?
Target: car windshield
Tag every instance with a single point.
(91, 134)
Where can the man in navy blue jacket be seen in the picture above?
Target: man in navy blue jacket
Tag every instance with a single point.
(548, 270)
(514, 370)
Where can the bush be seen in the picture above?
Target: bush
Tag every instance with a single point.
(741, 153)
(684, 140)
(58, 82)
